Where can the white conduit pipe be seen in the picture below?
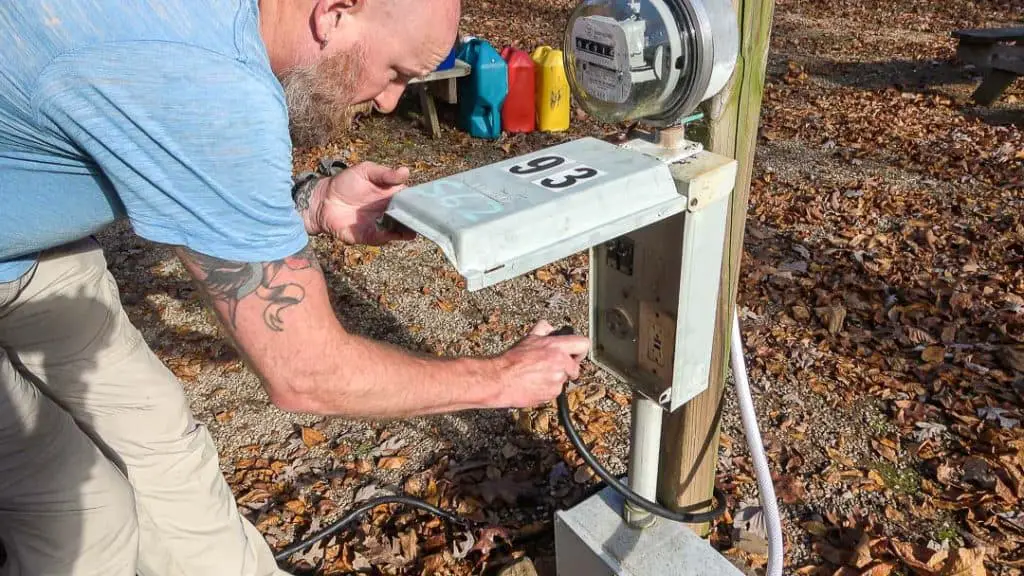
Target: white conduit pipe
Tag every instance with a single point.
(765, 488)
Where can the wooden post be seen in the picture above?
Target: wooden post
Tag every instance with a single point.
(690, 435)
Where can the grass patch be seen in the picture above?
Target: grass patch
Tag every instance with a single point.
(903, 481)
(948, 533)
(878, 424)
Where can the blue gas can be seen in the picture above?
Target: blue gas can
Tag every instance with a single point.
(449, 61)
(482, 93)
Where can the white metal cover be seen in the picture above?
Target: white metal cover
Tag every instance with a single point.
(505, 219)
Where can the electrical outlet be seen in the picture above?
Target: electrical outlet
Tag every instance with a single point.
(657, 341)
(656, 346)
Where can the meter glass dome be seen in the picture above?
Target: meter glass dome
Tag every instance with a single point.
(655, 60)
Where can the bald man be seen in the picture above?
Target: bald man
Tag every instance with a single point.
(179, 116)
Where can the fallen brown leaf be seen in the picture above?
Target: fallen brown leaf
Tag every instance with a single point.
(839, 457)
(408, 542)
(620, 399)
(965, 562)
(885, 451)
(880, 569)
(918, 557)
(933, 354)
(918, 336)
(891, 512)
(312, 437)
(583, 474)
(436, 563)
(861, 556)
(489, 539)
(815, 528)
(296, 506)
(391, 462)
(542, 423)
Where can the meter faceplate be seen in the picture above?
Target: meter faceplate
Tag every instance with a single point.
(650, 60)
(602, 59)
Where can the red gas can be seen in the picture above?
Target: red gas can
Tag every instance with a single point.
(518, 113)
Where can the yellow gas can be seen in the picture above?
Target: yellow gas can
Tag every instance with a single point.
(553, 98)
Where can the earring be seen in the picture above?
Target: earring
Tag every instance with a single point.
(323, 43)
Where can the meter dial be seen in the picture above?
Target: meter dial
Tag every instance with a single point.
(651, 60)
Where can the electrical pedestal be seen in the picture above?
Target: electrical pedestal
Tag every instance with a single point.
(654, 217)
(652, 324)
(653, 214)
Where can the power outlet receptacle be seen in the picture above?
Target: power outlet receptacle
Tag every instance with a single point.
(657, 341)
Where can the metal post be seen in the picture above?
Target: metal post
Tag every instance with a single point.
(645, 448)
(670, 138)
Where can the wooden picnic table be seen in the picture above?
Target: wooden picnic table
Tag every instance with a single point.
(441, 84)
(998, 52)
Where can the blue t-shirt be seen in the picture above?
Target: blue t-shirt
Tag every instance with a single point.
(165, 112)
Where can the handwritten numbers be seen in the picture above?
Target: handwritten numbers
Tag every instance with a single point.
(467, 203)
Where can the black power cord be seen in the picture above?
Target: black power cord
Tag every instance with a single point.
(566, 418)
(654, 508)
(363, 508)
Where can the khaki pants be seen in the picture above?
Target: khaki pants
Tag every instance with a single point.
(103, 469)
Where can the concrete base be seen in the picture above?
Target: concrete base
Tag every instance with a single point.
(591, 539)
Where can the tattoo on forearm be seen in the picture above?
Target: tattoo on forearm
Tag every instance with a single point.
(230, 282)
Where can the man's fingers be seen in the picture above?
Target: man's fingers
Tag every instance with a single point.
(542, 328)
(575, 346)
(386, 177)
(573, 370)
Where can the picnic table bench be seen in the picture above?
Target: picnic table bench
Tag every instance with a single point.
(441, 84)
(998, 52)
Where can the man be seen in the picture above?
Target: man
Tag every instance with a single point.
(173, 114)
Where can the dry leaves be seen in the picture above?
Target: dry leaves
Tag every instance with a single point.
(933, 354)
(312, 437)
(959, 562)
(391, 462)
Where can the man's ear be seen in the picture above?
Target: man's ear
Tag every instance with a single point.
(328, 14)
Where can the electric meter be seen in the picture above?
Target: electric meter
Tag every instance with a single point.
(650, 60)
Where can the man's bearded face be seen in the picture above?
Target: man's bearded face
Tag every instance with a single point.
(319, 101)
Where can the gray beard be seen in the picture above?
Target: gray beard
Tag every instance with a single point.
(318, 110)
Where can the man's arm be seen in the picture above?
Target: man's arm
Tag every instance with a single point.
(280, 317)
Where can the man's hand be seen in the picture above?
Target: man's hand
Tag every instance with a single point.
(534, 370)
(348, 205)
